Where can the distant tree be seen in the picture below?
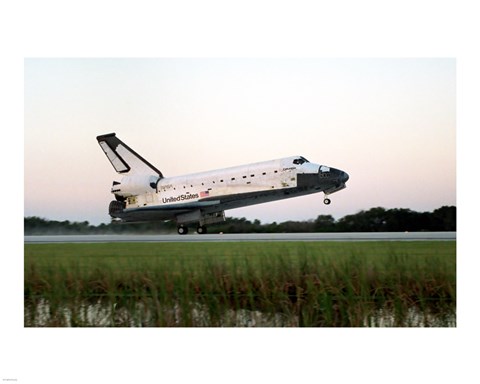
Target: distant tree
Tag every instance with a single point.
(445, 218)
(373, 220)
(324, 223)
(400, 219)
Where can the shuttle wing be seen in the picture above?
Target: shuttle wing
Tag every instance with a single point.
(167, 212)
(123, 158)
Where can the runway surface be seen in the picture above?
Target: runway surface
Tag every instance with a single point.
(358, 236)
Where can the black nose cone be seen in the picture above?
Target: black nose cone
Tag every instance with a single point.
(339, 175)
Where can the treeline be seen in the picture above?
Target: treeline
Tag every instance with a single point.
(373, 220)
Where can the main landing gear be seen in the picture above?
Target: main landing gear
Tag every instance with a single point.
(201, 229)
(182, 230)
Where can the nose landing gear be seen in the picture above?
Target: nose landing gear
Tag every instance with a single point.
(326, 201)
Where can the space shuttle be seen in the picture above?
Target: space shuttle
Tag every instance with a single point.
(145, 194)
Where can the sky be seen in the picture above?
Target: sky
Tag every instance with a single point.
(389, 123)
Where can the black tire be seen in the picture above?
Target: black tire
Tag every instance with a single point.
(182, 230)
(201, 230)
(327, 201)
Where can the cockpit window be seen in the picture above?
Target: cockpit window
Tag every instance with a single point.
(324, 168)
(300, 161)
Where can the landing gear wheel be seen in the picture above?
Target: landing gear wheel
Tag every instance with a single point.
(201, 230)
(182, 230)
(327, 201)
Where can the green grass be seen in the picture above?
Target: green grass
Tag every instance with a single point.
(232, 284)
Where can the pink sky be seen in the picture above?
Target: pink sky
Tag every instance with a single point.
(389, 123)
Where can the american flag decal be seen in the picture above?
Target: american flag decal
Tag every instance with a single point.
(204, 194)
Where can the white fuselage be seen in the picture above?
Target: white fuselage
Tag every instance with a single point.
(268, 176)
(144, 194)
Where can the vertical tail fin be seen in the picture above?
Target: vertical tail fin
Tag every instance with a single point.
(124, 159)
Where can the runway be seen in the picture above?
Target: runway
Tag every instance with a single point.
(357, 236)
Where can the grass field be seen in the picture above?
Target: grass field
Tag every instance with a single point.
(241, 284)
